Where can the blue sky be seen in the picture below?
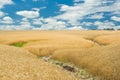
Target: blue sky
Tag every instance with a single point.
(59, 14)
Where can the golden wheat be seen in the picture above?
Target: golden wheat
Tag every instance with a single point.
(18, 64)
(100, 61)
(96, 51)
(108, 39)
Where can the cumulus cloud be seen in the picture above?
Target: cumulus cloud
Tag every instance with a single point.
(6, 20)
(73, 14)
(24, 25)
(5, 2)
(96, 16)
(105, 25)
(53, 24)
(116, 12)
(115, 18)
(38, 21)
(15, 27)
(24, 19)
(2, 3)
(86, 23)
(28, 14)
(76, 28)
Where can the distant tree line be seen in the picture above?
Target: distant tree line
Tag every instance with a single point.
(111, 29)
(107, 29)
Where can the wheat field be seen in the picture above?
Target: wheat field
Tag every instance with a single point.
(18, 64)
(98, 52)
(100, 61)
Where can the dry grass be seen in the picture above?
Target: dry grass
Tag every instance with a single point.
(18, 64)
(42, 48)
(100, 61)
(8, 37)
(96, 51)
(108, 39)
(45, 42)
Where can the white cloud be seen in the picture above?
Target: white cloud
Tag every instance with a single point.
(15, 27)
(38, 22)
(7, 20)
(24, 19)
(28, 14)
(2, 3)
(115, 18)
(97, 16)
(53, 24)
(5, 2)
(77, 0)
(76, 28)
(86, 23)
(116, 12)
(73, 14)
(1, 14)
(24, 25)
(105, 25)
(111, 8)
(44, 23)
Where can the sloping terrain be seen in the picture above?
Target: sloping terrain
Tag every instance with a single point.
(103, 62)
(18, 64)
(98, 52)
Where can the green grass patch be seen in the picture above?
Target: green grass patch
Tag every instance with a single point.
(18, 44)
